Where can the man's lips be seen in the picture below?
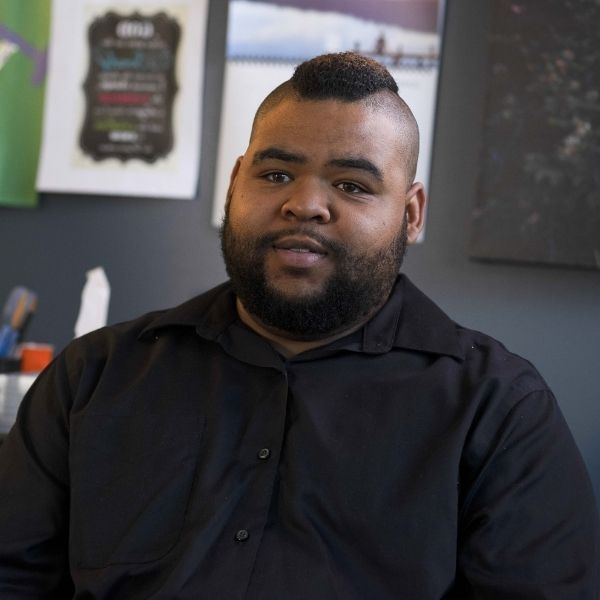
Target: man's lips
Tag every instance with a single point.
(299, 244)
(299, 252)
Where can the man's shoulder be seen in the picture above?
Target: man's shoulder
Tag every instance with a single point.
(479, 355)
(490, 360)
(190, 314)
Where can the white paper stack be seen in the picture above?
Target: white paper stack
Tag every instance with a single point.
(13, 387)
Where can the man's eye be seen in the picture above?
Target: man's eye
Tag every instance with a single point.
(277, 177)
(350, 188)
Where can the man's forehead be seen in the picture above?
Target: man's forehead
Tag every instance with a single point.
(337, 128)
(330, 121)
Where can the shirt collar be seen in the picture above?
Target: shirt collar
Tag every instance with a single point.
(408, 320)
(210, 314)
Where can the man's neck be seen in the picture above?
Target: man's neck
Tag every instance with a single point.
(282, 342)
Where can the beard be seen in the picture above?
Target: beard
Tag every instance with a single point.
(360, 284)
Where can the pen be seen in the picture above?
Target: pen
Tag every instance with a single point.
(18, 309)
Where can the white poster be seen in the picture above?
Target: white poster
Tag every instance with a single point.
(123, 103)
(266, 39)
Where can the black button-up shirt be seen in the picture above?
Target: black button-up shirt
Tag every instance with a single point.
(179, 456)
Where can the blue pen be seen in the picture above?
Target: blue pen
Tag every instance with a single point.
(8, 340)
(19, 307)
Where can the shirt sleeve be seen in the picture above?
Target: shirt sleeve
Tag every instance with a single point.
(34, 493)
(529, 522)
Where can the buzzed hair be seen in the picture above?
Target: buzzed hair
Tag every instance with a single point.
(349, 77)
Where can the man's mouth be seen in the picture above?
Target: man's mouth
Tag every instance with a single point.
(300, 245)
(299, 252)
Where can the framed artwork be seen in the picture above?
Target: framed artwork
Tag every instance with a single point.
(539, 189)
(123, 106)
(266, 39)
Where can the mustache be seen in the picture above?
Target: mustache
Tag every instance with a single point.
(267, 240)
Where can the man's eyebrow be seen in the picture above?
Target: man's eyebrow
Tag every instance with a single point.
(357, 163)
(277, 154)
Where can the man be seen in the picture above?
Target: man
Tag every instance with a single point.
(316, 428)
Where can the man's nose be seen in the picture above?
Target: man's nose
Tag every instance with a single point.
(308, 201)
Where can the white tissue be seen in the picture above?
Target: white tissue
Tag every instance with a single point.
(95, 297)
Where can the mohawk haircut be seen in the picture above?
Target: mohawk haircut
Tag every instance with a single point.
(348, 77)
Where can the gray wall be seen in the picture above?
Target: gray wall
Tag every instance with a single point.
(160, 252)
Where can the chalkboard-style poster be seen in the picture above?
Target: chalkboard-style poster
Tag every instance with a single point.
(130, 87)
(123, 105)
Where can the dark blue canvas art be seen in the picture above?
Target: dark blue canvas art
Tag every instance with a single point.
(539, 192)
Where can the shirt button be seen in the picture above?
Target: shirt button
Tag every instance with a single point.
(242, 535)
(264, 453)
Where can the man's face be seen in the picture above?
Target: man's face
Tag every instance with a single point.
(317, 220)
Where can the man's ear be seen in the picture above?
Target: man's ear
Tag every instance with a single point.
(415, 203)
(232, 178)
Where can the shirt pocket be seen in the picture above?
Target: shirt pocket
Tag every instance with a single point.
(131, 480)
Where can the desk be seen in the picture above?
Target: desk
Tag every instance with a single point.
(13, 386)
